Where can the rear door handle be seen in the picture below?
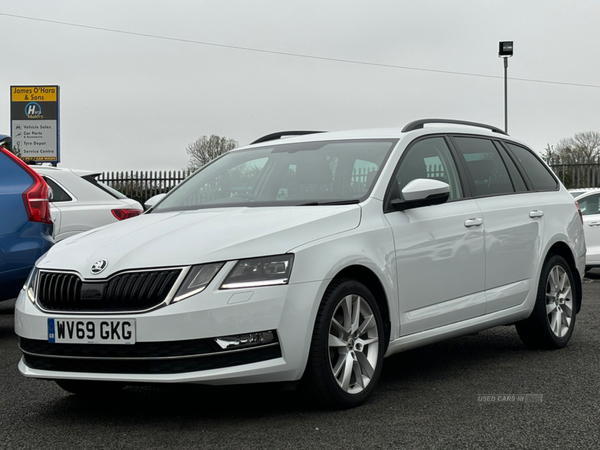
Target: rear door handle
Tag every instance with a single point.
(594, 224)
(536, 214)
(474, 222)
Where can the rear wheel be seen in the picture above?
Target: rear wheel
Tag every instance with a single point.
(347, 347)
(552, 320)
(90, 388)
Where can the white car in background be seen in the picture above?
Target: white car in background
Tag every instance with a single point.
(577, 192)
(79, 202)
(589, 204)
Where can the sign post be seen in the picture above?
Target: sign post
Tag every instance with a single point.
(34, 114)
(505, 52)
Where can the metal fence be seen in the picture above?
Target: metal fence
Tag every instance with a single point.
(576, 175)
(141, 186)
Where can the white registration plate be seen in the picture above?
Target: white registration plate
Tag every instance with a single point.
(91, 331)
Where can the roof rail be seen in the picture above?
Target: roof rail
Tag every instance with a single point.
(280, 134)
(416, 124)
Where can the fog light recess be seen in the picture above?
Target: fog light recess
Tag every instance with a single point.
(246, 340)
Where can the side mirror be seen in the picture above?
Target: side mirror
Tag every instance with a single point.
(153, 200)
(422, 192)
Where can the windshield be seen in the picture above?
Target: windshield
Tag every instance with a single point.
(309, 173)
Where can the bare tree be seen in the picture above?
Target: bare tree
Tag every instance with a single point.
(582, 148)
(549, 153)
(206, 148)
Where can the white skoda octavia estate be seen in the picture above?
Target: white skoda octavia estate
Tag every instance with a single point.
(310, 259)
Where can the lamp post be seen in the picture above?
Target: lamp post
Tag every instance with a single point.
(505, 52)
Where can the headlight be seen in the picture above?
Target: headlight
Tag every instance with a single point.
(30, 285)
(256, 272)
(197, 279)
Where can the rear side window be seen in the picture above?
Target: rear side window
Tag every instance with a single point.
(538, 174)
(515, 175)
(488, 173)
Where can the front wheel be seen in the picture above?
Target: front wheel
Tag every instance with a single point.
(552, 320)
(347, 346)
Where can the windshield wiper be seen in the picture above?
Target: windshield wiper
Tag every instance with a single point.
(333, 202)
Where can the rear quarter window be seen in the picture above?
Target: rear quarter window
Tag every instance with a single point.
(539, 176)
(58, 193)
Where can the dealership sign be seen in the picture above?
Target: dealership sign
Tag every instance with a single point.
(34, 115)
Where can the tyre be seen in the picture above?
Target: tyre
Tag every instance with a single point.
(552, 320)
(90, 388)
(347, 346)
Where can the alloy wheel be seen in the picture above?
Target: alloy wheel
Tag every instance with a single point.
(559, 301)
(353, 344)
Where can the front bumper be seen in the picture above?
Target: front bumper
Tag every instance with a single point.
(176, 343)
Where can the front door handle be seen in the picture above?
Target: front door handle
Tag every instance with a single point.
(474, 222)
(536, 214)
(594, 224)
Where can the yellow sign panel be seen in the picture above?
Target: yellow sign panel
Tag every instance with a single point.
(39, 158)
(33, 93)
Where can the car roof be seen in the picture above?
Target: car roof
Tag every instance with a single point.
(586, 192)
(48, 170)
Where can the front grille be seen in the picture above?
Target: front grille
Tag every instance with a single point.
(140, 358)
(130, 291)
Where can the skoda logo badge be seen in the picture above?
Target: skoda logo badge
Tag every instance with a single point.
(99, 266)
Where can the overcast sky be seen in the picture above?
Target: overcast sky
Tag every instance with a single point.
(129, 101)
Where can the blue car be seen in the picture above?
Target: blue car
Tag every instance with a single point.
(25, 224)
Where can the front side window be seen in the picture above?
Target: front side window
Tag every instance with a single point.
(489, 175)
(309, 173)
(427, 158)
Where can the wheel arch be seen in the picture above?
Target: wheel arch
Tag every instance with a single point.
(367, 277)
(562, 249)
